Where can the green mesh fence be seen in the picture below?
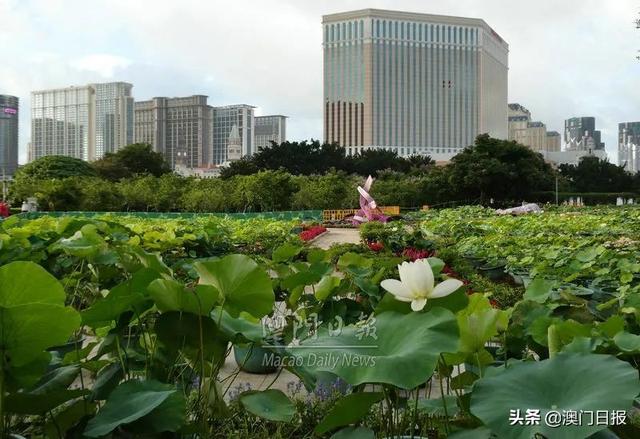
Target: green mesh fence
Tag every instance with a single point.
(314, 215)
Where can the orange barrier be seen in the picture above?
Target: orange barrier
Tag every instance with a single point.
(339, 214)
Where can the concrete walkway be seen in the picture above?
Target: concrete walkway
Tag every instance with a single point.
(337, 236)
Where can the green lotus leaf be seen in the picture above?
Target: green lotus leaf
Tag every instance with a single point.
(23, 403)
(587, 382)
(478, 323)
(170, 295)
(270, 404)
(85, 242)
(348, 410)
(627, 342)
(196, 336)
(243, 285)
(129, 295)
(375, 351)
(27, 330)
(326, 287)
(23, 282)
(168, 416)
(454, 302)
(354, 260)
(538, 290)
(286, 252)
(57, 379)
(235, 328)
(151, 261)
(354, 433)
(32, 318)
(301, 278)
(132, 401)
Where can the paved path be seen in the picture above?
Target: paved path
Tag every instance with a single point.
(337, 236)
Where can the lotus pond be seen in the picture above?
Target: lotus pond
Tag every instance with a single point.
(451, 323)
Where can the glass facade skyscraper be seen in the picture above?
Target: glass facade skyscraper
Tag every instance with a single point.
(226, 120)
(629, 146)
(179, 128)
(113, 117)
(413, 83)
(580, 133)
(9, 112)
(83, 122)
(270, 129)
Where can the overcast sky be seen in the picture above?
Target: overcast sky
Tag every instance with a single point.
(567, 58)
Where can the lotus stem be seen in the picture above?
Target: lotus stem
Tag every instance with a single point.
(553, 341)
(2, 432)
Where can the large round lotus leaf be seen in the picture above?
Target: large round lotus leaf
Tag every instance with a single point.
(171, 295)
(32, 316)
(392, 348)
(243, 284)
(577, 382)
(139, 401)
(348, 410)
(25, 282)
(270, 404)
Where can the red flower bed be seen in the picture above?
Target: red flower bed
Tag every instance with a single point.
(311, 232)
(375, 246)
(413, 254)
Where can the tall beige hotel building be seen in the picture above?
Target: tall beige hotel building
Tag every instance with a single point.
(413, 83)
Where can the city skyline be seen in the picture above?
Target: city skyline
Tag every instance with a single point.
(556, 67)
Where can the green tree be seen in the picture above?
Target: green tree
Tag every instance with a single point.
(269, 190)
(138, 194)
(595, 175)
(372, 161)
(58, 194)
(132, 160)
(99, 195)
(311, 158)
(205, 195)
(499, 169)
(334, 190)
(55, 166)
(300, 158)
(245, 166)
(395, 188)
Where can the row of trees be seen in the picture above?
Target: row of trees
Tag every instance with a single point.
(284, 177)
(313, 158)
(130, 161)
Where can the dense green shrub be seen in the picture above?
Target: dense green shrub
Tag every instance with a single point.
(55, 166)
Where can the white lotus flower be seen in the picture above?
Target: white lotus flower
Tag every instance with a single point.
(416, 284)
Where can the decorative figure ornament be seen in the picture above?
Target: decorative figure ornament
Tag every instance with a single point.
(369, 210)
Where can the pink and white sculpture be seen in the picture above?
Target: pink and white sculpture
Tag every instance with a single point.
(369, 210)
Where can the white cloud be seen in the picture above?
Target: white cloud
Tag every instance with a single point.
(101, 64)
